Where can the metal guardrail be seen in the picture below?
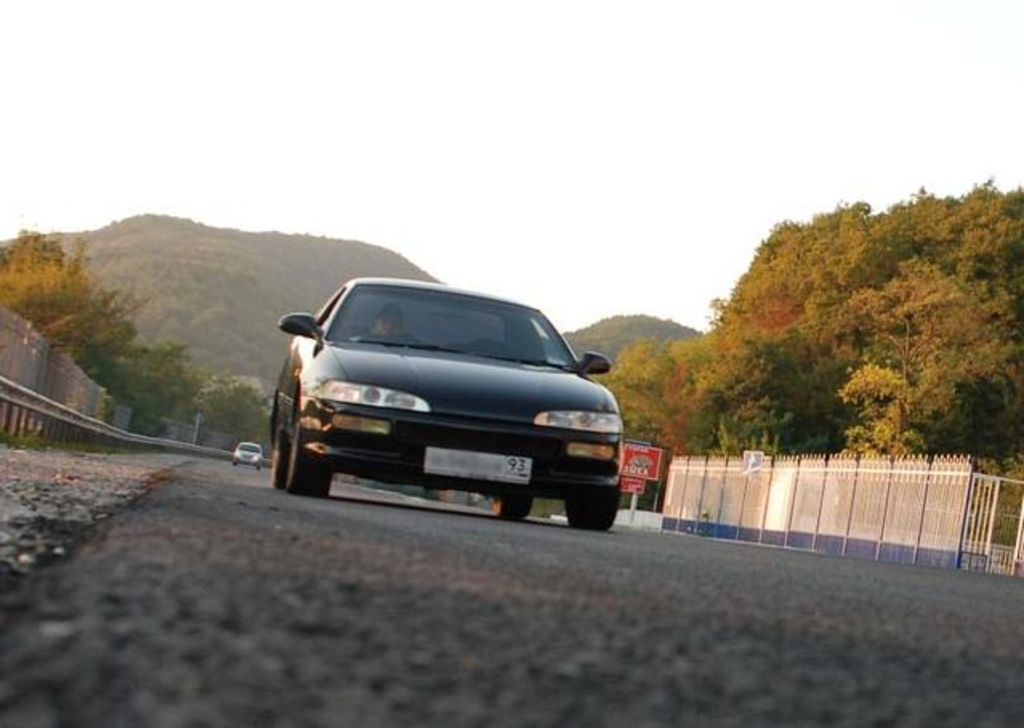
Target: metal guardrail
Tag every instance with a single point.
(25, 413)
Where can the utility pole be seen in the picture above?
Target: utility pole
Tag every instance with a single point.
(195, 431)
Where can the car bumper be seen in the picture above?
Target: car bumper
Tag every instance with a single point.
(399, 456)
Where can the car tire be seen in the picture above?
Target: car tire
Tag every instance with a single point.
(279, 462)
(307, 475)
(592, 511)
(513, 507)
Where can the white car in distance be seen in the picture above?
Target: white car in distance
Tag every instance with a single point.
(248, 453)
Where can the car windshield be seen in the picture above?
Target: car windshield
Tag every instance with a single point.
(442, 321)
(249, 447)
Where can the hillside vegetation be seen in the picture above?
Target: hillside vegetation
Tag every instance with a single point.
(220, 291)
(888, 332)
(53, 288)
(612, 335)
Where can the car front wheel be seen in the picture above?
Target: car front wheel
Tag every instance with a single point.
(592, 511)
(513, 507)
(306, 474)
(279, 461)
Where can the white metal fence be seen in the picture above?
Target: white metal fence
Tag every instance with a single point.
(982, 549)
(906, 510)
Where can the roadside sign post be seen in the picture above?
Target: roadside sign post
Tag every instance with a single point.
(634, 486)
(752, 461)
(640, 462)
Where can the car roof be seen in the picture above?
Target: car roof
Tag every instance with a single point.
(428, 286)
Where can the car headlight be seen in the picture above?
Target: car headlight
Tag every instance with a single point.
(371, 396)
(589, 421)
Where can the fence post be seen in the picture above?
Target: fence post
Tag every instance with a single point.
(885, 507)
(972, 514)
(682, 496)
(991, 526)
(821, 503)
(853, 502)
(743, 503)
(1017, 545)
(924, 508)
(792, 502)
(670, 490)
(966, 514)
(721, 497)
(767, 495)
(700, 498)
(975, 515)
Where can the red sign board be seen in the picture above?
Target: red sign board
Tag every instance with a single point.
(640, 461)
(631, 485)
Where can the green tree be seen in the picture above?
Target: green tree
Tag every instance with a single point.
(234, 407)
(883, 399)
(53, 288)
(158, 383)
(929, 337)
(56, 292)
(892, 331)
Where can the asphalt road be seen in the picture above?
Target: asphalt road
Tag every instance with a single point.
(215, 601)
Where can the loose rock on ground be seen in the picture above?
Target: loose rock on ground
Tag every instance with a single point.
(49, 497)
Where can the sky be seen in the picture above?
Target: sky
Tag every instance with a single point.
(589, 158)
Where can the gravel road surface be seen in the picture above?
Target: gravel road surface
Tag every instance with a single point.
(48, 498)
(215, 601)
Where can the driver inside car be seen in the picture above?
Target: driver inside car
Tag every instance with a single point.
(388, 323)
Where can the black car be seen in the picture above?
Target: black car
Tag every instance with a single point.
(410, 382)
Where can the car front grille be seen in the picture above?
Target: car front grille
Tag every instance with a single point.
(457, 438)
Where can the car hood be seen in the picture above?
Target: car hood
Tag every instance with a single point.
(466, 385)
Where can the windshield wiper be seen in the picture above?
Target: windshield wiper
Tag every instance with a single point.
(379, 342)
(408, 345)
(450, 350)
(532, 362)
(438, 347)
(546, 363)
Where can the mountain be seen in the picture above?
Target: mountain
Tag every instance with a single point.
(612, 335)
(221, 291)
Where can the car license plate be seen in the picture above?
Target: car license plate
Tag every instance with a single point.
(478, 465)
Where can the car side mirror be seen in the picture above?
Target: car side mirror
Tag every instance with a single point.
(301, 324)
(594, 363)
